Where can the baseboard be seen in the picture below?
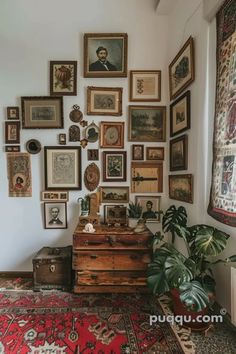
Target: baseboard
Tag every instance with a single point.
(14, 274)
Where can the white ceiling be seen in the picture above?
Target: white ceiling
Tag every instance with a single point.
(164, 7)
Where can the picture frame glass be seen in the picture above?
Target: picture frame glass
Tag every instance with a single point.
(137, 152)
(112, 135)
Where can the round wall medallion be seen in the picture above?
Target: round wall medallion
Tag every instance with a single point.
(76, 115)
(33, 146)
(91, 177)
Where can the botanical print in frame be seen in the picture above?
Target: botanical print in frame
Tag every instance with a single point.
(145, 85)
(154, 153)
(105, 101)
(150, 206)
(12, 132)
(42, 112)
(179, 153)
(114, 166)
(146, 177)
(181, 69)
(115, 194)
(137, 152)
(105, 54)
(55, 196)
(13, 113)
(112, 135)
(147, 123)
(19, 174)
(181, 187)
(55, 215)
(180, 114)
(62, 167)
(63, 78)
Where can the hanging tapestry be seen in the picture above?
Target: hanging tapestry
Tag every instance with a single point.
(19, 174)
(222, 204)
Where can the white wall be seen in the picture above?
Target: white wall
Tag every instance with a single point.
(31, 34)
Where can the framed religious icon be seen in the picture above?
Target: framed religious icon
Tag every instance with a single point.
(105, 101)
(114, 166)
(147, 123)
(179, 153)
(181, 69)
(180, 114)
(115, 194)
(145, 85)
(42, 112)
(112, 135)
(137, 152)
(105, 54)
(56, 196)
(55, 215)
(12, 132)
(150, 206)
(146, 177)
(154, 153)
(13, 113)
(62, 167)
(181, 187)
(63, 78)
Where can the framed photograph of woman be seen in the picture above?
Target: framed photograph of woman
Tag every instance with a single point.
(105, 101)
(114, 166)
(105, 54)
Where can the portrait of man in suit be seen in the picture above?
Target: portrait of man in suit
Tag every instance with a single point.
(102, 64)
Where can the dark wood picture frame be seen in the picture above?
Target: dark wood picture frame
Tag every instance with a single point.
(112, 135)
(156, 205)
(179, 153)
(181, 187)
(13, 113)
(180, 114)
(114, 166)
(12, 132)
(137, 152)
(58, 217)
(145, 86)
(63, 78)
(104, 101)
(155, 153)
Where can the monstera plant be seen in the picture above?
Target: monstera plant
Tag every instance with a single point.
(190, 275)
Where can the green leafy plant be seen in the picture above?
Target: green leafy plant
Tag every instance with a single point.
(134, 210)
(191, 275)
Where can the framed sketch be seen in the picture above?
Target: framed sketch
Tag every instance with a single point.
(55, 215)
(12, 148)
(115, 214)
(181, 69)
(92, 132)
(62, 167)
(105, 54)
(56, 196)
(106, 101)
(13, 113)
(114, 166)
(150, 206)
(145, 85)
(154, 153)
(146, 177)
(180, 114)
(63, 78)
(181, 187)
(112, 135)
(114, 194)
(147, 123)
(137, 152)
(42, 112)
(179, 153)
(19, 174)
(12, 132)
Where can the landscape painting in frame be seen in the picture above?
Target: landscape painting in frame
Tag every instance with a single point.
(147, 123)
(114, 194)
(181, 187)
(104, 101)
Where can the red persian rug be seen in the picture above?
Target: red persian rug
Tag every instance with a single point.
(59, 322)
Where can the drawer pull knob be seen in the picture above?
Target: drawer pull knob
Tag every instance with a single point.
(94, 276)
(134, 256)
(93, 256)
(52, 268)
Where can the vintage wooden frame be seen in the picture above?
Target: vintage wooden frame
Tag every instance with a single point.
(62, 139)
(112, 135)
(180, 114)
(13, 113)
(137, 152)
(181, 69)
(45, 112)
(116, 46)
(114, 166)
(63, 78)
(62, 167)
(146, 177)
(145, 85)
(55, 223)
(114, 194)
(56, 196)
(105, 101)
(154, 153)
(181, 187)
(179, 153)
(12, 148)
(147, 123)
(93, 154)
(156, 203)
(115, 214)
(12, 132)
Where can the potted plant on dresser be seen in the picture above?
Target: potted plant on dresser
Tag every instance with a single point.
(189, 279)
(134, 213)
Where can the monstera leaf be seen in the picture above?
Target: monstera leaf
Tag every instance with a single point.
(179, 269)
(194, 296)
(210, 241)
(172, 217)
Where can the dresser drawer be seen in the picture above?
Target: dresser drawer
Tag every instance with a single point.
(132, 278)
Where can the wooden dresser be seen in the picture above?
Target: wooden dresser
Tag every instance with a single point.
(112, 259)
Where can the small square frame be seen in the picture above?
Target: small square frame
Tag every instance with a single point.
(13, 113)
(12, 132)
(137, 152)
(155, 153)
(145, 85)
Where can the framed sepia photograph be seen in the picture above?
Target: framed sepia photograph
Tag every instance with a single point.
(55, 196)
(45, 112)
(62, 167)
(137, 152)
(150, 206)
(181, 69)
(147, 123)
(105, 101)
(55, 215)
(115, 214)
(114, 194)
(105, 54)
(154, 153)
(13, 113)
(180, 114)
(114, 166)
(179, 153)
(181, 187)
(146, 177)
(145, 85)
(12, 132)
(112, 135)
(63, 78)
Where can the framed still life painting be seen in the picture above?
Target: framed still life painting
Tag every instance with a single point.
(63, 78)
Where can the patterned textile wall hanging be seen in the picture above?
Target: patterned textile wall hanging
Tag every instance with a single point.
(222, 204)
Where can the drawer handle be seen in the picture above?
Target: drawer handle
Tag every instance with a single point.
(94, 276)
(52, 268)
(93, 256)
(112, 240)
(134, 256)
